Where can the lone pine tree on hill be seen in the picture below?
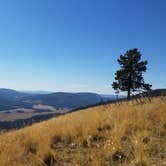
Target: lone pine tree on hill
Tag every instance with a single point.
(130, 76)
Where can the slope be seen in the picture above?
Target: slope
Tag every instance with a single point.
(126, 133)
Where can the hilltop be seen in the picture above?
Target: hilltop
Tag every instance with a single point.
(124, 133)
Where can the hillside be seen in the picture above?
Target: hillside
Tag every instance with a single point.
(64, 100)
(127, 133)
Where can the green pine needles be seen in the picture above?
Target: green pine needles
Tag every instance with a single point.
(130, 76)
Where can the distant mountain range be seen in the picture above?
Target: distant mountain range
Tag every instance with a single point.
(153, 93)
(10, 99)
(36, 92)
(157, 92)
(18, 109)
(63, 100)
(107, 98)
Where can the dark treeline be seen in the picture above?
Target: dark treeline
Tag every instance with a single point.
(19, 123)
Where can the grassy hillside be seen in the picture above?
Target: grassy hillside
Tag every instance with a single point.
(129, 133)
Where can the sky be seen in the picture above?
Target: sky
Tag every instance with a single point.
(73, 45)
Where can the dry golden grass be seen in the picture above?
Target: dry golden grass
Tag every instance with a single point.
(127, 133)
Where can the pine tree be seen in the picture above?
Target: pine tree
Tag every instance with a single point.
(130, 76)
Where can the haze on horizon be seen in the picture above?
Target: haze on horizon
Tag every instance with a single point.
(73, 46)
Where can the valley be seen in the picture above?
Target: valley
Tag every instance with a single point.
(19, 109)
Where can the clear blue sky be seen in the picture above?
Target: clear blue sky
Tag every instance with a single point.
(73, 45)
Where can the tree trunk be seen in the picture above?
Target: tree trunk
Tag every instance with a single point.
(129, 88)
(128, 94)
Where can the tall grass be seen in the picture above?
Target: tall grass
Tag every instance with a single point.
(125, 133)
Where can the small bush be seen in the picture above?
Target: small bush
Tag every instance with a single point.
(85, 144)
(104, 128)
(61, 139)
(49, 160)
(118, 156)
(146, 140)
(96, 138)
